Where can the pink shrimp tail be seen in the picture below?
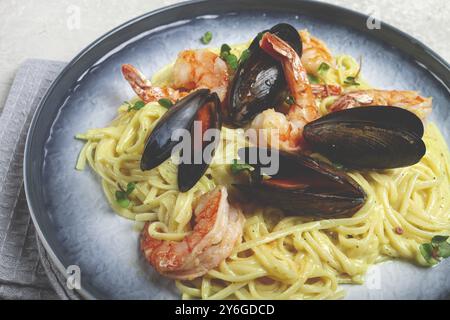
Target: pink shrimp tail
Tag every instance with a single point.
(295, 74)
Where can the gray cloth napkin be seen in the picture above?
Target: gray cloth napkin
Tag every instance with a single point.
(26, 271)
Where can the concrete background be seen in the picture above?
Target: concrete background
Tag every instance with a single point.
(49, 29)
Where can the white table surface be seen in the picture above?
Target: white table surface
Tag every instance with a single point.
(48, 30)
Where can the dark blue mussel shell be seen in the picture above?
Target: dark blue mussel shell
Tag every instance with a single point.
(200, 105)
(371, 137)
(259, 81)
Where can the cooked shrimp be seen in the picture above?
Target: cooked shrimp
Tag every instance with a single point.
(201, 69)
(315, 52)
(218, 228)
(144, 88)
(303, 108)
(325, 90)
(409, 100)
(193, 69)
(275, 130)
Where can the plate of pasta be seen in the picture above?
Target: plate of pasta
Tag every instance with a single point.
(243, 150)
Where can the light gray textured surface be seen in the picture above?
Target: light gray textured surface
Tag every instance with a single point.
(47, 29)
(21, 273)
(25, 268)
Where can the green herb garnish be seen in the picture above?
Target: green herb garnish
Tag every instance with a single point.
(138, 105)
(290, 100)
(122, 195)
(313, 79)
(324, 67)
(230, 59)
(166, 103)
(244, 55)
(338, 166)
(237, 168)
(351, 81)
(206, 38)
(224, 50)
(438, 249)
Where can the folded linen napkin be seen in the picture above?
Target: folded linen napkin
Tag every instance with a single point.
(26, 271)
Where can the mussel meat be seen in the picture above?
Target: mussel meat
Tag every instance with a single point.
(302, 185)
(375, 137)
(259, 81)
(201, 105)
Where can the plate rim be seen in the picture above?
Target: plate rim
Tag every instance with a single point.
(441, 71)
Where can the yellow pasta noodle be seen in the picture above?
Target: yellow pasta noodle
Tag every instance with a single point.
(280, 257)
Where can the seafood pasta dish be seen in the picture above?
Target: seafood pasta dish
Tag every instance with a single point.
(273, 170)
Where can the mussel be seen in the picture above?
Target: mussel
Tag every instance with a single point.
(375, 137)
(201, 105)
(259, 81)
(302, 185)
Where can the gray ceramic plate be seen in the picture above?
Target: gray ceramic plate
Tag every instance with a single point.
(69, 210)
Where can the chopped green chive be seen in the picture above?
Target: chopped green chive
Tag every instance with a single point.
(244, 55)
(237, 168)
(138, 105)
(225, 49)
(351, 81)
(442, 244)
(324, 67)
(230, 59)
(122, 195)
(121, 200)
(166, 103)
(206, 38)
(427, 252)
(130, 187)
(313, 79)
(438, 249)
(290, 100)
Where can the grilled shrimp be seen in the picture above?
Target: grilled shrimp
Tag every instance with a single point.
(144, 88)
(303, 108)
(201, 68)
(315, 52)
(409, 100)
(218, 228)
(193, 69)
(325, 90)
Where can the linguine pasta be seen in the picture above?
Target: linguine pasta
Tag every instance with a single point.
(280, 257)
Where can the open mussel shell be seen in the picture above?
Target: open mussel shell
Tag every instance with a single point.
(159, 144)
(208, 117)
(259, 81)
(302, 185)
(374, 137)
(202, 106)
